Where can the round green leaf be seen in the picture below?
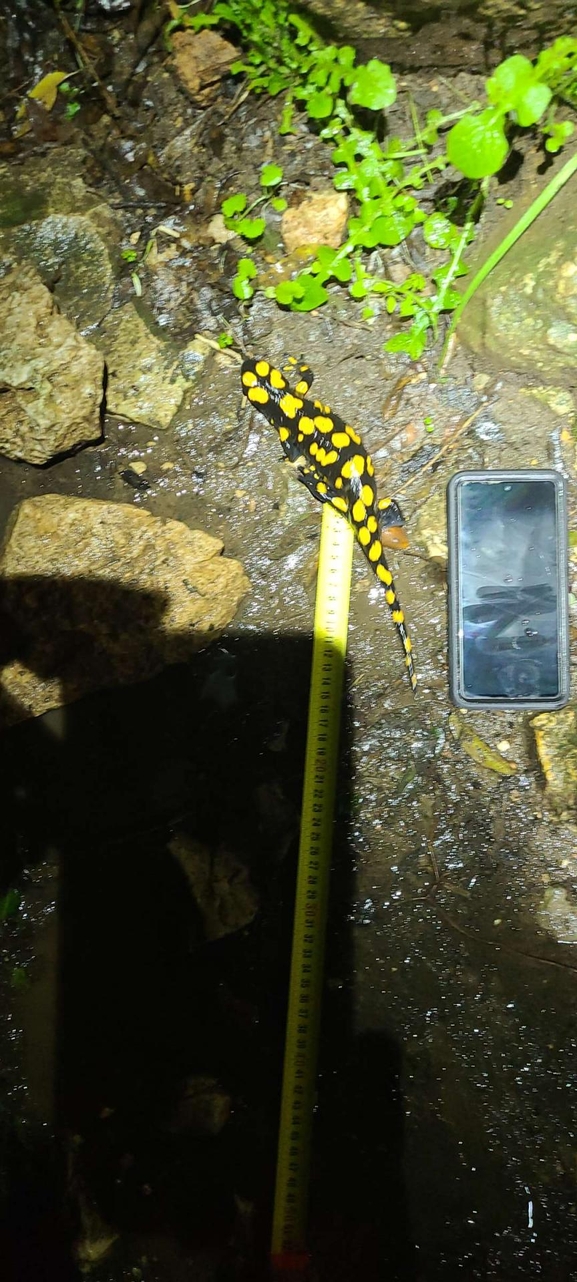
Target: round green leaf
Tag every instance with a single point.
(374, 86)
(437, 231)
(279, 204)
(314, 295)
(320, 105)
(242, 289)
(234, 205)
(251, 228)
(509, 81)
(286, 292)
(534, 102)
(246, 269)
(477, 145)
(271, 176)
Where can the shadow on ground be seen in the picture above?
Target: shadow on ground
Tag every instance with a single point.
(212, 750)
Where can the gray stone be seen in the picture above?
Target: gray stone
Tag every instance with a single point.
(51, 377)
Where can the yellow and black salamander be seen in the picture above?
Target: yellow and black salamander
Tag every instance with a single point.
(333, 463)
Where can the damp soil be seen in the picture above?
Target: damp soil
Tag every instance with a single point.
(444, 1132)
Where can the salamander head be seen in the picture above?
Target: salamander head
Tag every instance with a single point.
(394, 536)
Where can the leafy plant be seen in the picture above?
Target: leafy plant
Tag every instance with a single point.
(389, 181)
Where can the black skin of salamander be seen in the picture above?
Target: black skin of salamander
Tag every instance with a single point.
(340, 474)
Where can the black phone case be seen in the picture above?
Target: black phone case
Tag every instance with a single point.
(455, 676)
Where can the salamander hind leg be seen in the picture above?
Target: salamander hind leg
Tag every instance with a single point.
(302, 373)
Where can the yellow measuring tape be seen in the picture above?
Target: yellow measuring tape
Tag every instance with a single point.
(288, 1251)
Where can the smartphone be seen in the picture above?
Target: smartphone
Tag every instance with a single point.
(508, 589)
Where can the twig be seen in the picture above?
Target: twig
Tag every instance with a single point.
(108, 98)
(456, 435)
(493, 943)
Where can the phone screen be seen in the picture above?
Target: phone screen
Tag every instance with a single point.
(509, 564)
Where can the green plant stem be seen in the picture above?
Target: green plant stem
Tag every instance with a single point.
(539, 204)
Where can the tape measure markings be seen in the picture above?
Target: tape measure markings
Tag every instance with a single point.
(311, 899)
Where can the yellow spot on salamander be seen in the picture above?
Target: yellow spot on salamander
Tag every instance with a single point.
(306, 425)
(375, 550)
(323, 424)
(302, 387)
(340, 440)
(359, 464)
(276, 379)
(398, 616)
(390, 597)
(313, 447)
(283, 433)
(408, 645)
(354, 436)
(331, 457)
(384, 575)
(258, 395)
(359, 512)
(370, 466)
(367, 495)
(262, 368)
(373, 524)
(248, 378)
(364, 536)
(289, 405)
(340, 503)
(339, 482)
(383, 504)
(321, 487)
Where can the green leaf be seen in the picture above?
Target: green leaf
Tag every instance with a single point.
(534, 102)
(271, 176)
(319, 106)
(19, 979)
(358, 289)
(477, 145)
(437, 231)
(279, 204)
(286, 119)
(242, 289)
(9, 904)
(286, 292)
(314, 294)
(225, 340)
(251, 228)
(246, 269)
(509, 81)
(374, 86)
(234, 205)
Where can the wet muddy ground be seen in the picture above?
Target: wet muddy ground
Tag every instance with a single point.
(445, 1138)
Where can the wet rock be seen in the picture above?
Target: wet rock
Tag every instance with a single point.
(200, 62)
(556, 742)
(145, 381)
(430, 530)
(558, 915)
(525, 315)
(51, 377)
(50, 218)
(203, 1108)
(220, 884)
(98, 594)
(320, 219)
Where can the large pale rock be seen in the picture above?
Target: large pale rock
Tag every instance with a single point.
(51, 378)
(99, 594)
(145, 379)
(524, 317)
